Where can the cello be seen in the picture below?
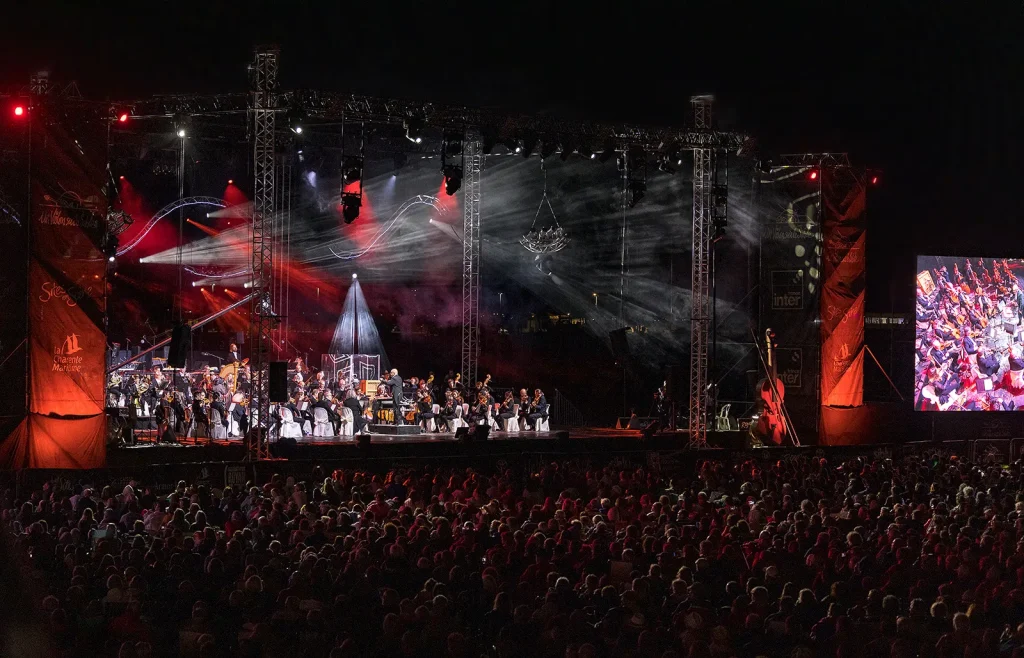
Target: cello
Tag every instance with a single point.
(771, 425)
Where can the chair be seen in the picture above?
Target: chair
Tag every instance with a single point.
(289, 428)
(722, 422)
(217, 429)
(542, 422)
(492, 416)
(322, 423)
(347, 424)
(233, 429)
(512, 424)
(457, 422)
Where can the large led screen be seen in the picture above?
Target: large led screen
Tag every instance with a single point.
(969, 344)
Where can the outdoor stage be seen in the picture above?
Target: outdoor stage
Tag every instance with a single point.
(342, 448)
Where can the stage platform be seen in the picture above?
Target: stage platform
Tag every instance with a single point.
(424, 445)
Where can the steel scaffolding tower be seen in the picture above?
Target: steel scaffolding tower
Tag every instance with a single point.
(472, 162)
(261, 309)
(700, 310)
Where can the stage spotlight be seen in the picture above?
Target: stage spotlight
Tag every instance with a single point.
(110, 259)
(181, 133)
(414, 129)
(874, 180)
(452, 179)
(813, 174)
(350, 204)
(193, 284)
(352, 169)
(121, 177)
(452, 144)
(19, 110)
(529, 143)
(355, 276)
(231, 181)
(123, 117)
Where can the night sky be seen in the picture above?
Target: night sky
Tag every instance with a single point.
(929, 93)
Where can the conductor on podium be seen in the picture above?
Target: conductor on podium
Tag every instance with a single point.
(395, 384)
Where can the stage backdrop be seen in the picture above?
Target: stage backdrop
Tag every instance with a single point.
(65, 425)
(842, 294)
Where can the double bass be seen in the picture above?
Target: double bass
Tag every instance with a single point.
(771, 425)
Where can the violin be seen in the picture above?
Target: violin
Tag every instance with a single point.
(771, 394)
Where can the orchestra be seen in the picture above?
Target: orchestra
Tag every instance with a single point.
(182, 403)
(969, 344)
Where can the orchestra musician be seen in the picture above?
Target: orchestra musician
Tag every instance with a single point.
(538, 408)
(358, 419)
(478, 411)
(219, 406)
(448, 414)
(505, 411)
(395, 385)
(234, 356)
(424, 404)
(524, 405)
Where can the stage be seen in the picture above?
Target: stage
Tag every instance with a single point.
(426, 445)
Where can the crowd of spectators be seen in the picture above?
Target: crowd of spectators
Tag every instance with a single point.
(798, 557)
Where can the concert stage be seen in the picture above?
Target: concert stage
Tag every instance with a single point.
(419, 446)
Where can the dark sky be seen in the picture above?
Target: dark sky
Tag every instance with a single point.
(930, 92)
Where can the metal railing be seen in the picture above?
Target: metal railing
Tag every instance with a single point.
(566, 414)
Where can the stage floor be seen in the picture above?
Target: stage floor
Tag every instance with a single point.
(148, 439)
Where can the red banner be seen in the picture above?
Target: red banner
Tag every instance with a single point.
(65, 424)
(842, 294)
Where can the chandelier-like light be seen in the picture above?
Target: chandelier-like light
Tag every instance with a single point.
(545, 240)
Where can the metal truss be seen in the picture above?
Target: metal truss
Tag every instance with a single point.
(335, 106)
(700, 310)
(829, 160)
(472, 162)
(261, 310)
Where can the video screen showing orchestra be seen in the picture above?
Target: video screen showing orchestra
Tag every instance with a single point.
(969, 344)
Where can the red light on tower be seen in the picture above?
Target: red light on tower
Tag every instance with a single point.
(19, 111)
(813, 175)
(874, 180)
(231, 181)
(121, 176)
(123, 117)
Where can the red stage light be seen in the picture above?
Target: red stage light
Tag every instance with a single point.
(121, 176)
(231, 181)
(123, 117)
(19, 110)
(813, 175)
(874, 180)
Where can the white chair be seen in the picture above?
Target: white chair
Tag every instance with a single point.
(722, 423)
(542, 422)
(430, 424)
(233, 429)
(512, 424)
(347, 424)
(492, 416)
(458, 422)
(217, 429)
(289, 428)
(322, 423)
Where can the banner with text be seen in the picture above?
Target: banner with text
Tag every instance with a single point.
(65, 422)
(842, 295)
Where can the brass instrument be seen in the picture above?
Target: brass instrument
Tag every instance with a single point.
(115, 379)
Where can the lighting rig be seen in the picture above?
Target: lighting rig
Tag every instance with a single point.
(352, 174)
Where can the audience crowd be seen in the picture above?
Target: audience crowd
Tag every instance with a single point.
(801, 557)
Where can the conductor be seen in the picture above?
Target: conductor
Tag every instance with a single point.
(395, 384)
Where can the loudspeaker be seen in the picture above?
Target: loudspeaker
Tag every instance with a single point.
(278, 382)
(284, 447)
(620, 346)
(482, 432)
(462, 435)
(181, 343)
